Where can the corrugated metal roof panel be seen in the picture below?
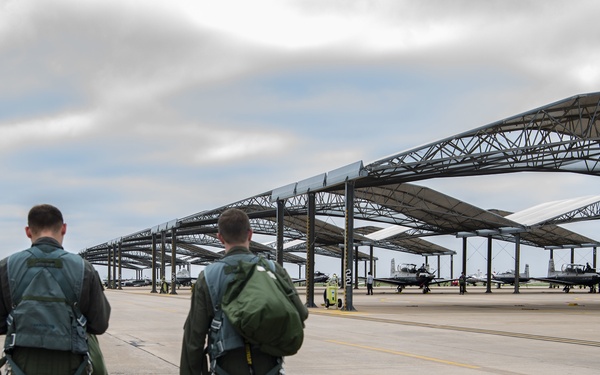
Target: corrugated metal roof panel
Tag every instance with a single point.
(546, 211)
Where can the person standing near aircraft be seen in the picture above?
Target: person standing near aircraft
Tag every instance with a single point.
(369, 284)
(462, 283)
(19, 273)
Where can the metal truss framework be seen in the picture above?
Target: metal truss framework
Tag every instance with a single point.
(586, 213)
(560, 137)
(200, 229)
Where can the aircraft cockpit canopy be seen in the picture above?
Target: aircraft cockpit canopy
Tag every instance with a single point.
(573, 268)
(407, 267)
(183, 273)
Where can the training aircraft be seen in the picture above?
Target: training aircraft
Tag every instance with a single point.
(129, 282)
(572, 275)
(475, 278)
(183, 278)
(409, 275)
(136, 282)
(319, 277)
(508, 277)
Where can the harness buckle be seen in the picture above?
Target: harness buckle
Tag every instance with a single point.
(13, 339)
(82, 320)
(215, 325)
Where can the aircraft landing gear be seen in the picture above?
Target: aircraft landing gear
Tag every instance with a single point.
(399, 288)
(566, 289)
(426, 289)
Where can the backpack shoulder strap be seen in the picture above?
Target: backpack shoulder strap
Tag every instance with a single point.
(267, 262)
(222, 337)
(218, 275)
(214, 276)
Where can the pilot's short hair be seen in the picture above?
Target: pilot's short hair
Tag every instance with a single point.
(43, 217)
(234, 226)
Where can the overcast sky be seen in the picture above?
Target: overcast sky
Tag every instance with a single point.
(128, 114)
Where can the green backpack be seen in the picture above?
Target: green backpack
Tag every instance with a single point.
(262, 306)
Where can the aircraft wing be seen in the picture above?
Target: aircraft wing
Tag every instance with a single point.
(404, 282)
(183, 281)
(319, 277)
(392, 281)
(556, 281)
(441, 281)
(468, 281)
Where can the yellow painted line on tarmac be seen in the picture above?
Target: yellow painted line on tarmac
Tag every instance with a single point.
(335, 312)
(404, 354)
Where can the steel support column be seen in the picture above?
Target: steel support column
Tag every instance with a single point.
(163, 248)
(594, 259)
(342, 279)
(464, 256)
(348, 245)
(310, 251)
(153, 263)
(108, 266)
(173, 261)
(488, 286)
(371, 260)
(120, 269)
(551, 257)
(355, 267)
(280, 230)
(517, 260)
(114, 254)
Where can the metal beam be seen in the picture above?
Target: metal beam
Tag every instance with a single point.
(348, 246)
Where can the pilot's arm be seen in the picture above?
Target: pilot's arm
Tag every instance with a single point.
(195, 330)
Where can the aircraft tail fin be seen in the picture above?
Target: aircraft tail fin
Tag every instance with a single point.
(551, 270)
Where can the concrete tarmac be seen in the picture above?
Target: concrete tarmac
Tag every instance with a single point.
(538, 331)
